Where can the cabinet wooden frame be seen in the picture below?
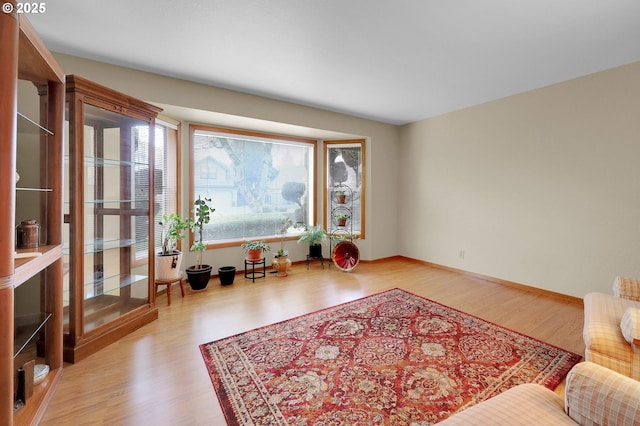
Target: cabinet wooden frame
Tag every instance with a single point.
(23, 56)
(92, 105)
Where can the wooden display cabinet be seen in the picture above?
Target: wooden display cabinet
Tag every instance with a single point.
(30, 281)
(108, 226)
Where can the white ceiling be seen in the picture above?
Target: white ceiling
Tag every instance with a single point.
(393, 61)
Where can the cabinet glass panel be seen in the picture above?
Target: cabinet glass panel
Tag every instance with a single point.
(31, 184)
(116, 209)
(66, 294)
(29, 317)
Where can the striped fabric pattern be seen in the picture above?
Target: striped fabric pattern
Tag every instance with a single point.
(630, 325)
(523, 405)
(594, 395)
(598, 396)
(627, 288)
(603, 339)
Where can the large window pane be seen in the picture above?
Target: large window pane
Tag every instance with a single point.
(166, 173)
(255, 181)
(344, 162)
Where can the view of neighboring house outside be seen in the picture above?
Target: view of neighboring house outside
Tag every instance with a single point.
(255, 181)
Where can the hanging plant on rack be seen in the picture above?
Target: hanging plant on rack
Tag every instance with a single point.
(342, 219)
(199, 274)
(344, 236)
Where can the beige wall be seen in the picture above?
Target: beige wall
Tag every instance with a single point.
(381, 155)
(541, 188)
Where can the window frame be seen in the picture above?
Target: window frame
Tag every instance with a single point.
(336, 144)
(312, 187)
(169, 180)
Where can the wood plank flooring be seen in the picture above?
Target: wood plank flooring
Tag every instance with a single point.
(156, 375)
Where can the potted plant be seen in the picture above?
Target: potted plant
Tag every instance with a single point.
(341, 197)
(254, 249)
(281, 262)
(168, 260)
(199, 274)
(314, 235)
(342, 219)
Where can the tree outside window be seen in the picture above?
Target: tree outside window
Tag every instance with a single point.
(256, 182)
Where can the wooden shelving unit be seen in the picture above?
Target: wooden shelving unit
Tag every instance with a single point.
(109, 217)
(38, 277)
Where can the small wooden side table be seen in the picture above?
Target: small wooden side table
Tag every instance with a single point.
(168, 283)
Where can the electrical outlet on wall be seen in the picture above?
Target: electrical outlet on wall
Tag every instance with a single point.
(461, 254)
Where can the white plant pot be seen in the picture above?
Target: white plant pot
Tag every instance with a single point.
(168, 265)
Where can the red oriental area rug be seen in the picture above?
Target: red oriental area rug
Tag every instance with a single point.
(392, 358)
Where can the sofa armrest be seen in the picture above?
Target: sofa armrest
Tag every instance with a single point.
(630, 325)
(599, 396)
(523, 405)
(626, 288)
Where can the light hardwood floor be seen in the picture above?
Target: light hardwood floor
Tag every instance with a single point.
(156, 375)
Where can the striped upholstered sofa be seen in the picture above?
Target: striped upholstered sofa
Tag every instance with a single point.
(612, 327)
(594, 395)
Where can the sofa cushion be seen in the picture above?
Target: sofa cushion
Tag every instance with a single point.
(627, 288)
(523, 405)
(630, 325)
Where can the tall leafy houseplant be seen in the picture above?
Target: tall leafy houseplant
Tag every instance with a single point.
(168, 260)
(202, 212)
(199, 274)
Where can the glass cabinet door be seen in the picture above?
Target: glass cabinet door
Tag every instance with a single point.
(116, 212)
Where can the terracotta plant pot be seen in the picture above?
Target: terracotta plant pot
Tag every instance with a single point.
(281, 264)
(254, 255)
